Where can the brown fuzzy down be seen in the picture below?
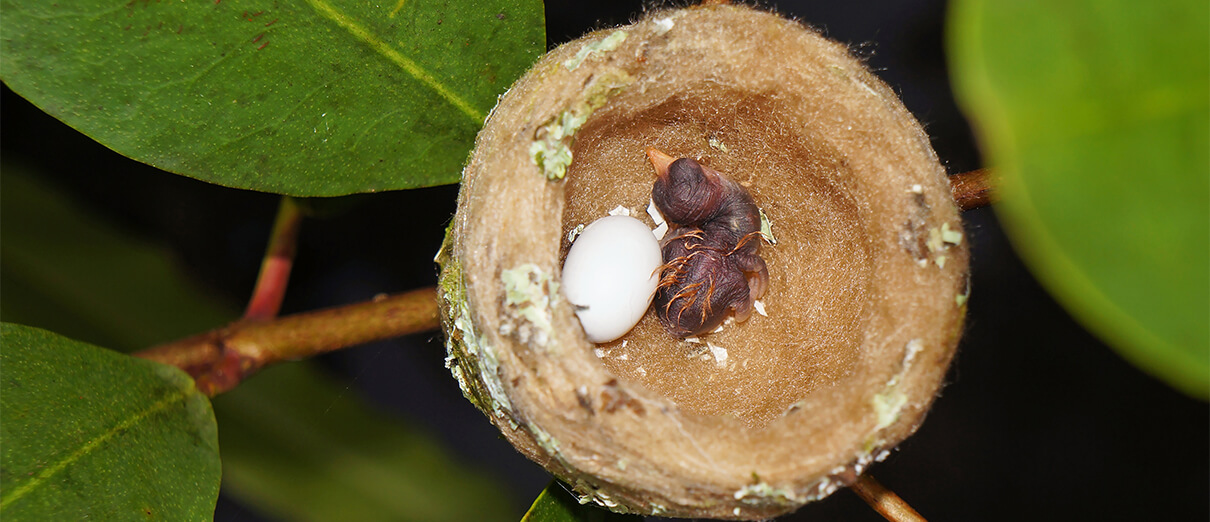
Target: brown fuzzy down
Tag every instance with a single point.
(712, 266)
(702, 283)
(866, 278)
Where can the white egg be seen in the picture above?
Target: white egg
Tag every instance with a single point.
(610, 275)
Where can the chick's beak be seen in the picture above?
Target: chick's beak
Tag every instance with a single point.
(660, 161)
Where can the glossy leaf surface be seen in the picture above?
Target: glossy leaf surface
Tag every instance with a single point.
(1098, 116)
(309, 98)
(91, 434)
(556, 504)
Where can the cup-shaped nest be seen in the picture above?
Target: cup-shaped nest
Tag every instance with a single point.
(866, 262)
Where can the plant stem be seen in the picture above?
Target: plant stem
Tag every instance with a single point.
(884, 501)
(974, 189)
(279, 258)
(219, 359)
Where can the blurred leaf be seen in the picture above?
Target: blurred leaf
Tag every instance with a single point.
(315, 98)
(64, 270)
(92, 434)
(292, 442)
(1097, 113)
(309, 450)
(556, 504)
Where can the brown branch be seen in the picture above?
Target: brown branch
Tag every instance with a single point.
(219, 359)
(279, 258)
(974, 189)
(884, 501)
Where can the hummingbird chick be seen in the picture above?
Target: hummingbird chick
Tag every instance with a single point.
(712, 265)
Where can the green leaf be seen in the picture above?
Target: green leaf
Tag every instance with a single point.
(1097, 113)
(308, 98)
(556, 504)
(64, 270)
(308, 449)
(293, 443)
(93, 434)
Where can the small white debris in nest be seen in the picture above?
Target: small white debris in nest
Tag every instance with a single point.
(641, 371)
(664, 25)
(619, 211)
(913, 347)
(599, 352)
(657, 217)
(574, 233)
(624, 357)
(719, 329)
(720, 354)
(625, 342)
(693, 340)
(917, 189)
(760, 307)
(735, 512)
(660, 231)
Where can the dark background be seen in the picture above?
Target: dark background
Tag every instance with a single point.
(1039, 419)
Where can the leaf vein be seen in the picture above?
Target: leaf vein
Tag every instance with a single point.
(15, 494)
(397, 58)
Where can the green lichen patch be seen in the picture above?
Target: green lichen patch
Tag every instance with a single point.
(468, 356)
(762, 493)
(602, 46)
(950, 236)
(887, 406)
(940, 240)
(552, 151)
(551, 148)
(529, 292)
(962, 298)
(889, 403)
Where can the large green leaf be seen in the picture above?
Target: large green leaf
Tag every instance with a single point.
(293, 444)
(556, 504)
(91, 434)
(309, 98)
(1098, 115)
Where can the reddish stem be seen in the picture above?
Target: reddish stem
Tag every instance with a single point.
(279, 259)
(884, 501)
